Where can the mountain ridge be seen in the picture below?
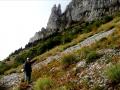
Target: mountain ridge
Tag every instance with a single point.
(76, 10)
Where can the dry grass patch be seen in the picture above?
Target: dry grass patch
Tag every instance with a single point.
(44, 84)
(69, 59)
(116, 59)
(109, 25)
(48, 70)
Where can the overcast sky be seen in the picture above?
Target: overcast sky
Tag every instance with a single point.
(20, 19)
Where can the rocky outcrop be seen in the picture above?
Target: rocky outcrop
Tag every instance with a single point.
(54, 20)
(53, 25)
(77, 10)
(88, 10)
(38, 35)
(10, 80)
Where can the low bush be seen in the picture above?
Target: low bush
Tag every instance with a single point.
(107, 19)
(92, 56)
(3, 67)
(69, 59)
(113, 73)
(12, 70)
(20, 59)
(66, 38)
(43, 84)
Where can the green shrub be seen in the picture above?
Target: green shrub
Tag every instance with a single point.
(113, 73)
(43, 84)
(12, 70)
(107, 19)
(69, 59)
(20, 59)
(66, 38)
(3, 67)
(47, 45)
(88, 26)
(92, 56)
(32, 52)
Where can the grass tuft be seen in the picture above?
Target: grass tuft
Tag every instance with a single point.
(92, 56)
(69, 59)
(43, 84)
(113, 73)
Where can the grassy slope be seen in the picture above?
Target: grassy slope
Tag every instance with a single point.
(56, 69)
(76, 33)
(55, 43)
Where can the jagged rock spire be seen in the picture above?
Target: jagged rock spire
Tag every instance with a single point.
(53, 22)
(59, 10)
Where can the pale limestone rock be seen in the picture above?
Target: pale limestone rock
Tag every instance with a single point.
(38, 35)
(54, 20)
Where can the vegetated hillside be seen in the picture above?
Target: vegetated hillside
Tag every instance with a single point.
(79, 52)
(83, 56)
(63, 39)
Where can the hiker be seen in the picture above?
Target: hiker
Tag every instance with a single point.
(28, 69)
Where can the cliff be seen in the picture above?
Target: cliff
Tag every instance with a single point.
(88, 10)
(52, 26)
(77, 10)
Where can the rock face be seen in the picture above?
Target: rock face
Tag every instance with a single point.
(38, 35)
(89, 10)
(53, 25)
(11, 80)
(54, 20)
(77, 10)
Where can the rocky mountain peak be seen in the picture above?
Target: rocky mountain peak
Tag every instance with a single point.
(78, 10)
(59, 9)
(53, 22)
